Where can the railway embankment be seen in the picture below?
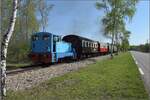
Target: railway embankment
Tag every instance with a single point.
(117, 79)
(29, 77)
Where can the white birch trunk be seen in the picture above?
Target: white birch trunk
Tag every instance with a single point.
(4, 46)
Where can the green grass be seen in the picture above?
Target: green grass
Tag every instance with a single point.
(116, 79)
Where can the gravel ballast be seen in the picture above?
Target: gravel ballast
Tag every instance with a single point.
(32, 78)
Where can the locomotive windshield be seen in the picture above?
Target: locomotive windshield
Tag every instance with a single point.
(35, 37)
(46, 37)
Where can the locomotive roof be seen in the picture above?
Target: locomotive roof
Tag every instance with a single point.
(79, 37)
(41, 33)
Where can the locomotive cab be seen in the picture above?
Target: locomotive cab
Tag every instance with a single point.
(41, 43)
(41, 47)
(49, 48)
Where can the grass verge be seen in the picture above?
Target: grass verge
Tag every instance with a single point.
(116, 79)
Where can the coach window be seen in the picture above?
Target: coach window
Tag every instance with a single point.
(86, 44)
(96, 45)
(91, 45)
(35, 37)
(83, 43)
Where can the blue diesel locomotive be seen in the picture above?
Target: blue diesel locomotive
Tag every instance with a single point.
(49, 48)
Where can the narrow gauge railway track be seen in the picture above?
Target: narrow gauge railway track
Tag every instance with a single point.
(31, 67)
(40, 66)
(34, 67)
(25, 68)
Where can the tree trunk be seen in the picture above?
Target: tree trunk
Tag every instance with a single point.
(112, 45)
(117, 44)
(4, 46)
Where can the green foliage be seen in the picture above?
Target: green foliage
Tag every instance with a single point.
(117, 11)
(44, 9)
(6, 10)
(106, 80)
(124, 41)
(26, 24)
(18, 53)
(142, 47)
(125, 45)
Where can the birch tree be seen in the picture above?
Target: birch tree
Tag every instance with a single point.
(44, 9)
(116, 12)
(26, 23)
(4, 46)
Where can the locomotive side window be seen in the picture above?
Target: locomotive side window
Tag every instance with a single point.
(35, 37)
(46, 37)
(56, 38)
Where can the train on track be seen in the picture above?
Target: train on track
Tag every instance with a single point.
(49, 48)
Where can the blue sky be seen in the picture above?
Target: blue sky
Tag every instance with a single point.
(80, 17)
(140, 23)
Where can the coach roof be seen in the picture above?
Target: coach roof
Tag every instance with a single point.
(77, 37)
